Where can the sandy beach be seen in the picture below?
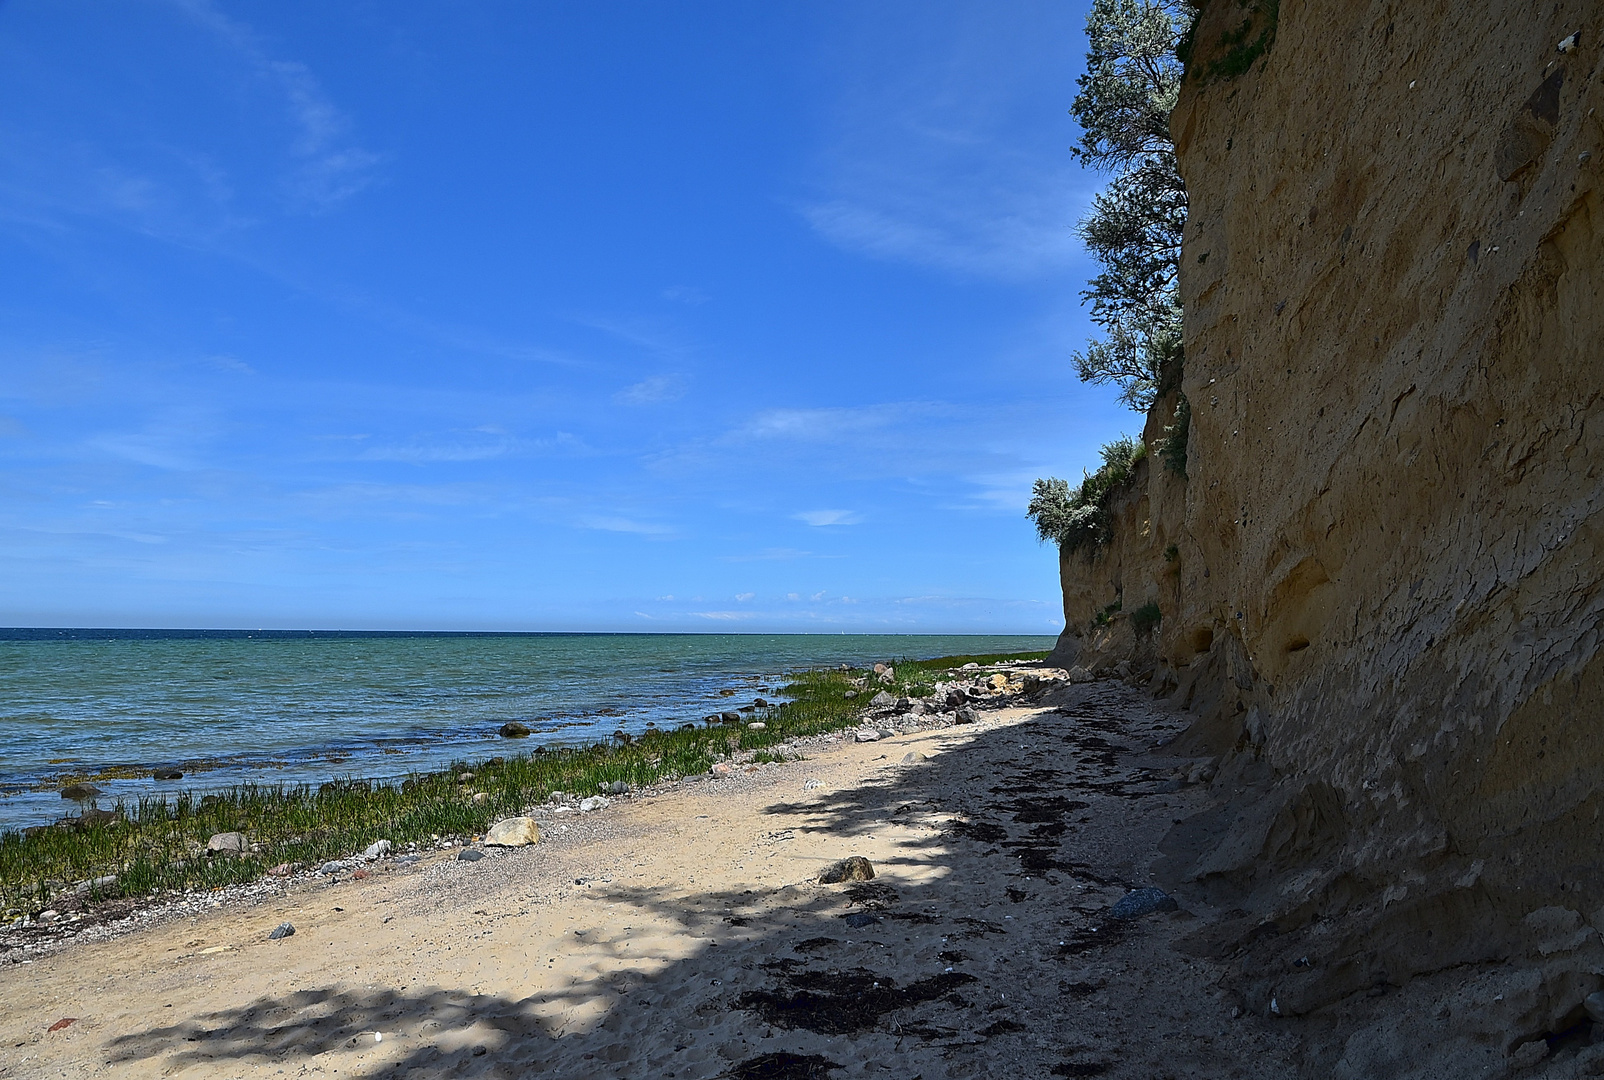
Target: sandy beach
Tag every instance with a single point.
(683, 933)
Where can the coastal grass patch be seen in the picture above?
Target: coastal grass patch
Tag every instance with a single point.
(157, 845)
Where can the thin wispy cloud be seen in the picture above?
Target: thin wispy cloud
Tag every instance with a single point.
(616, 524)
(819, 518)
(329, 167)
(925, 162)
(685, 294)
(652, 391)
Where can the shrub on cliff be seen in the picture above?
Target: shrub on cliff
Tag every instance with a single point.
(1134, 227)
(1078, 517)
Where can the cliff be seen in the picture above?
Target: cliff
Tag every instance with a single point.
(1381, 581)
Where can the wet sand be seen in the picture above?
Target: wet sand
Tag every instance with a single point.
(683, 934)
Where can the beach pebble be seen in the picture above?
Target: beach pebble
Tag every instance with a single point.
(868, 735)
(227, 843)
(377, 850)
(513, 832)
(1139, 902)
(595, 802)
(80, 791)
(282, 930)
(512, 729)
(469, 855)
(913, 757)
(853, 868)
(757, 725)
(167, 774)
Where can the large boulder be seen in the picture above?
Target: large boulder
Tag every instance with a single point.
(513, 832)
(227, 843)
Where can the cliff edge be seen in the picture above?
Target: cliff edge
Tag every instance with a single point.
(1380, 583)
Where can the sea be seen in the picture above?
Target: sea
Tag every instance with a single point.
(306, 706)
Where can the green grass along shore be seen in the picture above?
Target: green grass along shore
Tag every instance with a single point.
(157, 844)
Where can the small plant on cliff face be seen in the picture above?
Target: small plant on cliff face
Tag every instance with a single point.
(1172, 448)
(1078, 517)
(1144, 618)
(1134, 227)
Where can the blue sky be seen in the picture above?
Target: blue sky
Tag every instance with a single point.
(516, 315)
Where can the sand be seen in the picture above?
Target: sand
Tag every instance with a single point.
(683, 934)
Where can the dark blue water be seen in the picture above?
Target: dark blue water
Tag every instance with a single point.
(232, 705)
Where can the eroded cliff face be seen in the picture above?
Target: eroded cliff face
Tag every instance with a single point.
(1385, 592)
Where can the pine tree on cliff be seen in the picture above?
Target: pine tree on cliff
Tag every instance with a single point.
(1134, 227)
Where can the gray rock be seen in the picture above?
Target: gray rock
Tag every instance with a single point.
(595, 802)
(619, 787)
(965, 715)
(470, 855)
(512, 729)
(80, 791)
(513, 832)
(757, 725)
(282, 930)
(913, 757)
(167, 774)
(333, 866)
(859, 919)
(730, 717)
(853, 868)
(465, 778)
(1594, 1004)
(868, 735)
(1139, 902)
(227, 843)
(377, 850)
(850, 694)
(882, 700)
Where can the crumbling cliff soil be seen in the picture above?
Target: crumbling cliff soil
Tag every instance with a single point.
(1380, 580)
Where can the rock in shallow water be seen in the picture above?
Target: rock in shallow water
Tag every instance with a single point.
(80, 791)
(854, 868)
(513, 832)
(167, 774)
(1139, 902)
(512, 729)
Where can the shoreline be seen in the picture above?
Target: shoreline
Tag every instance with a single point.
(683, 932)
(157, 845)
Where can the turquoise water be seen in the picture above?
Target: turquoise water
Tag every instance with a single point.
(285, 706)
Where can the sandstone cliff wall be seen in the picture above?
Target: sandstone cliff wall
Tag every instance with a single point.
(1387, 581)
